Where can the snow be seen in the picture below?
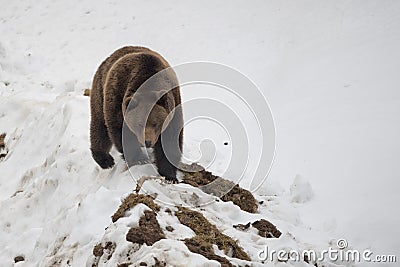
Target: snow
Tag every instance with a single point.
(329, 71)
(301, 190)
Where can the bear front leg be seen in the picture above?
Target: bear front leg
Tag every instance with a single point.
(132, 153)
(105, 160)
(115, 134)
(164, 166)
(167, 155)
(100, 144)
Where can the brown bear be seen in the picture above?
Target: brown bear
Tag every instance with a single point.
(153, 113)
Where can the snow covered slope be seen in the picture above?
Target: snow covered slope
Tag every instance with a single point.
(328, 69)
(56, 202)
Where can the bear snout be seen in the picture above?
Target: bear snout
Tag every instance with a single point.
(151, 137)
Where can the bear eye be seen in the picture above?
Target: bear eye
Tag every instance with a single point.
(162, 100)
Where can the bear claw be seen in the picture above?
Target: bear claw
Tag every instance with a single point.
(107, 163)
(172, 180)
(105, 160)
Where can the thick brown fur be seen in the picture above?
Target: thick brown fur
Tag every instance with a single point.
(115, 84)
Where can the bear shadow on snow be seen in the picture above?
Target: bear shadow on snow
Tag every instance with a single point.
(122, 93)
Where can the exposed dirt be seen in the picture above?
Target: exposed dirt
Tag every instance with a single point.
(193, 167)
(156, 264)
(264, 227)
(125, 264)
(196, 176)
(3, 152)
(206, 235)
(242, 227)
(199, 246)
(242, 198)
(86, 92)
(99, 250)
(2, 143)
(19, 258)
(148, 232)
(159, 263)
(131, 201)
(167, 210)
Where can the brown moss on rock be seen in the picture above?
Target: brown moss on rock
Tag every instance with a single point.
(99, 250)
(199, 246)
(215, 185)
(2, 142)
(86, 92)
(125, 264)
(193, 167)
(264, 227)
(131, 201)
(159, 263)
(3, 146)
(148, 232)
(242, 227)
(19, 258)
(198, 178)
(167, 210)
(206, 235)
(242, 198)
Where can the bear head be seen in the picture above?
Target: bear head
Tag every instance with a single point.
(148, 114)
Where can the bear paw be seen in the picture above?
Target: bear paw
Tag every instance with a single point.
(171, 180)
(105, 160)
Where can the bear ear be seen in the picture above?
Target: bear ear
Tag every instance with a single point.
(129, 103)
